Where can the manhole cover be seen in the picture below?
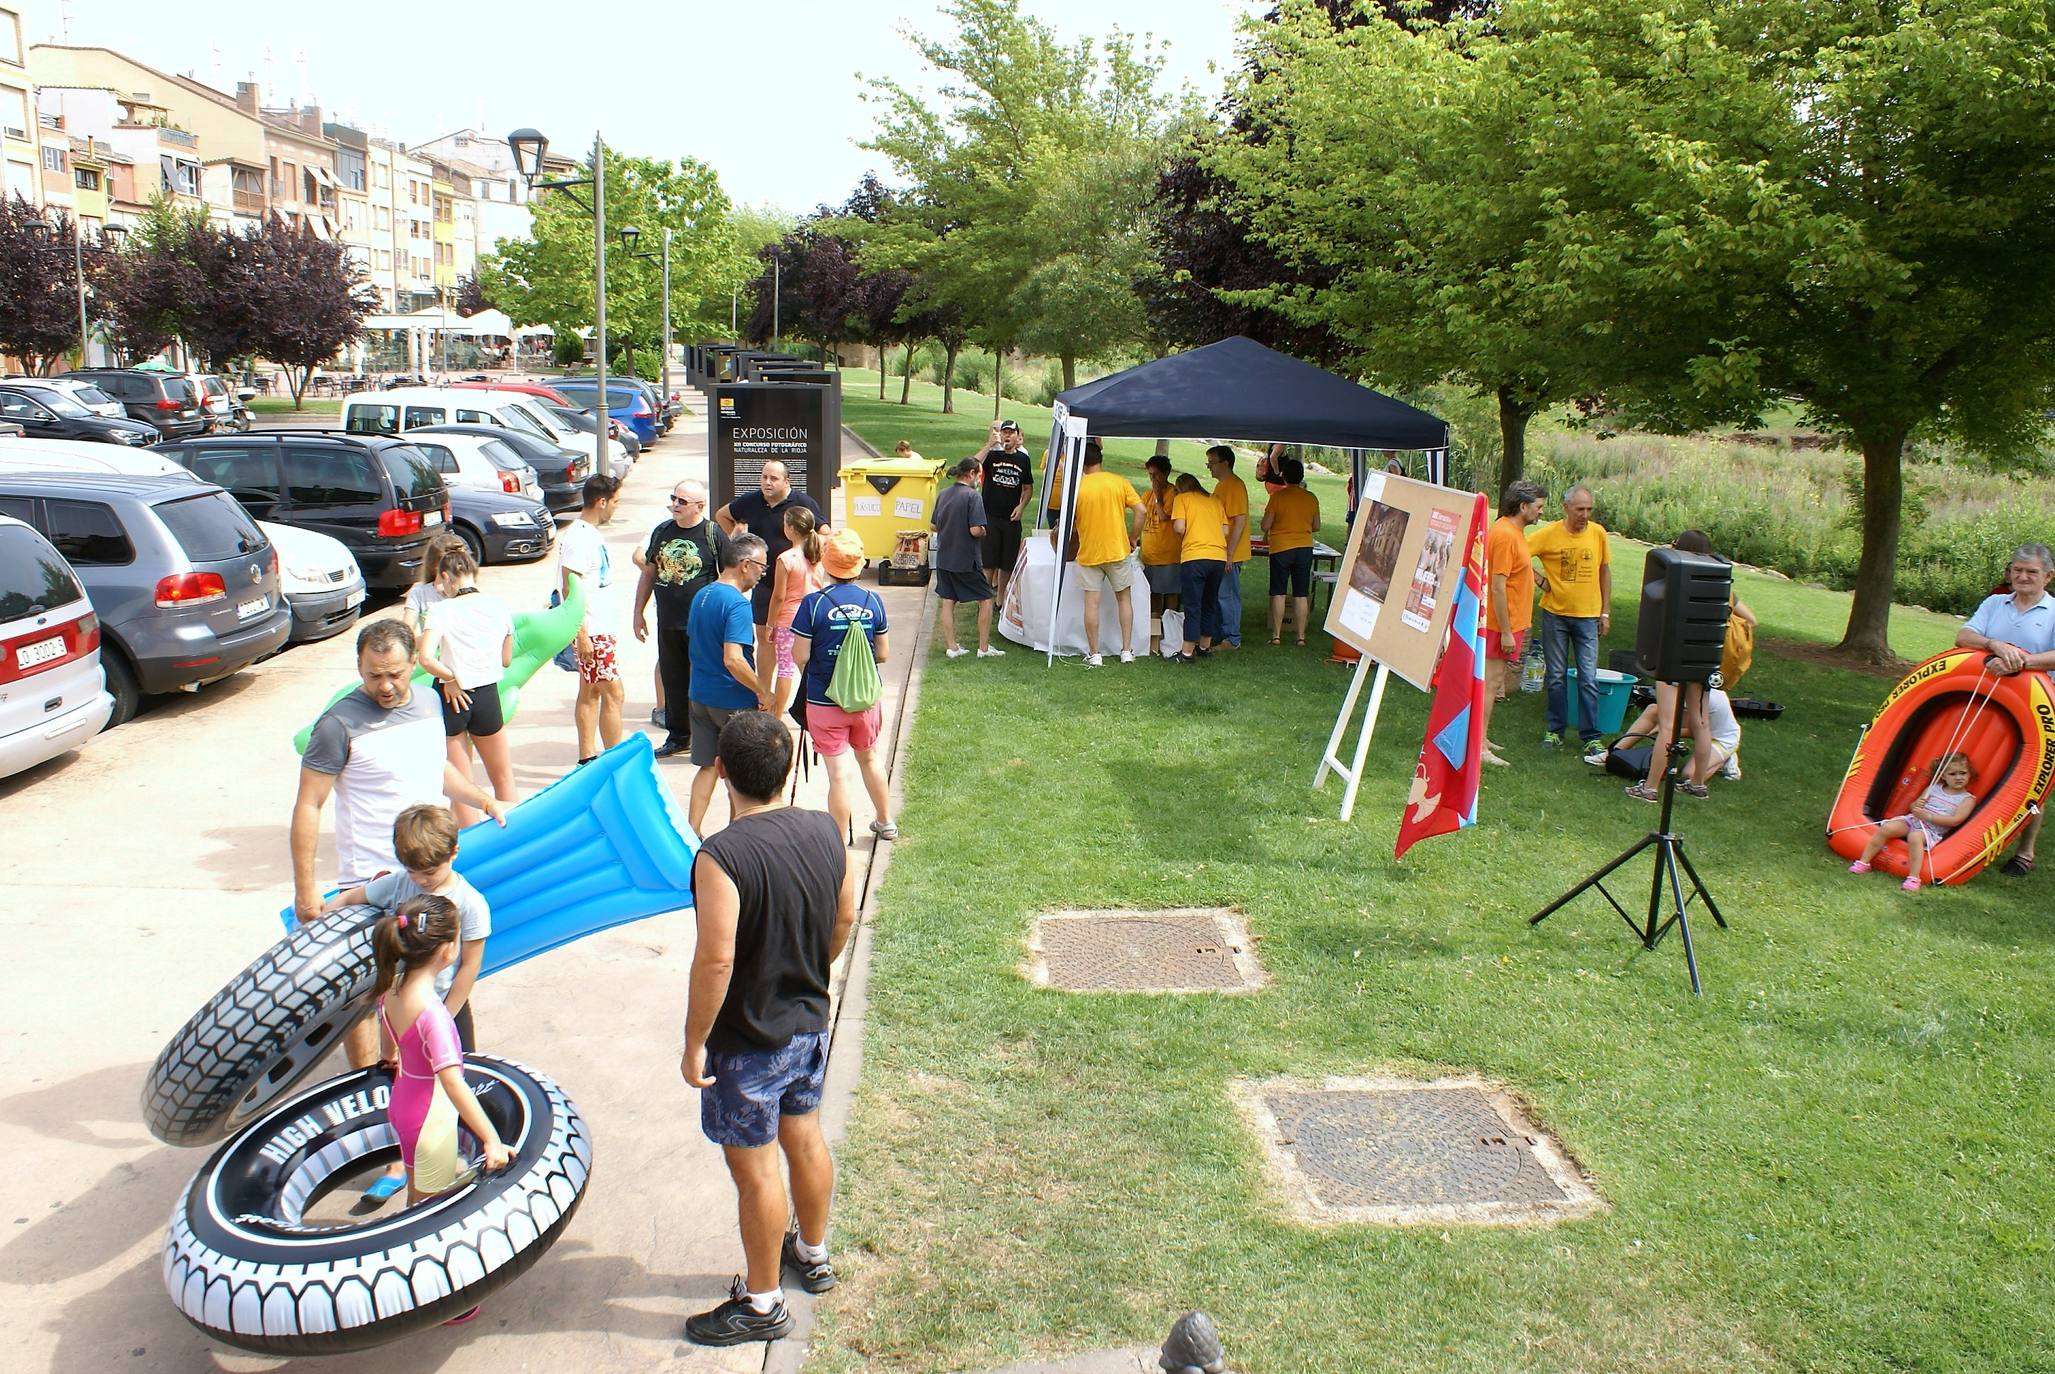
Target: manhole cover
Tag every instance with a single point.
(1401, 1151)
(1188, 950)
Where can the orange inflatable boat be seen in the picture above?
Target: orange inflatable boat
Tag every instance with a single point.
(1952, 703)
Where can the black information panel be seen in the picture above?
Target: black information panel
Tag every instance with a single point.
(759, 422)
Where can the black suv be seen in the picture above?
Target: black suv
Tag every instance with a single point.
(48, 412)
(381, 497)
(170, 402)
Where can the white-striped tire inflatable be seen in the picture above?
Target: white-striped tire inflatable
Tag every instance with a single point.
(264, 1032)
(242, 1265)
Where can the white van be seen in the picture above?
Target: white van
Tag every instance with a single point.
(317, 574)
(415, 407)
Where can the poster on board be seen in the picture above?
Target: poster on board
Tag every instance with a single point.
(1395, 594)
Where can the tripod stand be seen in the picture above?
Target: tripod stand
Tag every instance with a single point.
(1669, 853)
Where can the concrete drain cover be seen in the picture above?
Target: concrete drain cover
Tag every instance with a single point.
(1186, 950)
(1398, 1152)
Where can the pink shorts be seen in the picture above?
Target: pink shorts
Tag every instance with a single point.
(835, 731)
(1491, 649)
(781, 646)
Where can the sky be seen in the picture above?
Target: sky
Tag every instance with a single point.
(767, 92)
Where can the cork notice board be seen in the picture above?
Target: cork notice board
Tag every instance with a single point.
(1400, 573)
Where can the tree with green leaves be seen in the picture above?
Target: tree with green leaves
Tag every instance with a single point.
(1027, 180)
(546, 278)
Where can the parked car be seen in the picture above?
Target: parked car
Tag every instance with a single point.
(85, 393)
(320, 580)
(585, 423)
(381, 497)
(539, 390)
(169, 402)
(499, 527)
(51, 695)
(626, 402)
(46, 412)
(411, 408)
(184, 583)
(561, 471)
(473, 460)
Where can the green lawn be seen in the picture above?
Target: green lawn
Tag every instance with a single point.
(283, 405)
(1835, 1161)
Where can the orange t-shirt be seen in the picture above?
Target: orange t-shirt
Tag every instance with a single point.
(1505, 554)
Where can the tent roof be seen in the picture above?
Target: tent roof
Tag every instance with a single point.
(1238, 389)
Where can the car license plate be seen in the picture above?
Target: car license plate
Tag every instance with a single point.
(354, 599)
(433, 517)
(42, 651)
(255, 606)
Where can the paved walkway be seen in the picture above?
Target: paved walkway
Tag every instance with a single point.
(142, 873)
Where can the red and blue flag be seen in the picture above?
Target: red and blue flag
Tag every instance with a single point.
(1445, 780)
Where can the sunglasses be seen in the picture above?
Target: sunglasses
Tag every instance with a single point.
(686, 501)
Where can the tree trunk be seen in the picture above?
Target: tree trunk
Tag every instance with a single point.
(949, 380)
(998, 380)
(1513, 415)
(883, 367)
(1069, 370)
(1876, 572)
(297, 378)
(906, 377)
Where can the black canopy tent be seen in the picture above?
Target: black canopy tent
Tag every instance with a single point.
(1233, 389)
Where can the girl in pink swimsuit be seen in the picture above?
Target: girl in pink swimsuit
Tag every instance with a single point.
(429, 1094)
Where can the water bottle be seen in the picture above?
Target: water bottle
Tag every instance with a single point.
(1531, 667)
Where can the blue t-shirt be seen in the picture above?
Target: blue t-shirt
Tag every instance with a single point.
(720, 617)
(824, 618)
(2032, 629)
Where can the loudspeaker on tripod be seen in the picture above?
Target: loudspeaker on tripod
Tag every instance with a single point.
(1684, 604)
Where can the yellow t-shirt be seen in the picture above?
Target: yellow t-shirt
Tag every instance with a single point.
(1102, 503)
(1571, 563)
(1205, 526)
(1292, 511)
(1161, 543)
(1233, 497)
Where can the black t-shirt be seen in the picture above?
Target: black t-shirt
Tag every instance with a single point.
(685, 561)
(787, 866)
(767, 522)
(1005, 474)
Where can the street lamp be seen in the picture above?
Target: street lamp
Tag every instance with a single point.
(628, 236)
(529, 147)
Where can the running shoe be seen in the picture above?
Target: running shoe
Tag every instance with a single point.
(1127, 655)
(958, 652)
(989, 652)
(1641, 791)
(1594, 752)
(1694, 789)
(1551, 739)
(815, 1276)
(737, 1322)
(1731, 770)
(1094, 661)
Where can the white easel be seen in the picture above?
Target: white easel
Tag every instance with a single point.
(1330, 762)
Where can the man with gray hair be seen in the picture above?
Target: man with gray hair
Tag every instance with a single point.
(1509, 610)
(2017, 629)
(722, 641)
(1576, 583)
(683, 558)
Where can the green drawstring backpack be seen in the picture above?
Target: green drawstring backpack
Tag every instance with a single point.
(855, 685)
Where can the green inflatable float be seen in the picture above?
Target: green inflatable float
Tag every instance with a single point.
(539, 636)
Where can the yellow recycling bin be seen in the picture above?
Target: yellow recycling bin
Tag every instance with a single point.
(889, 503)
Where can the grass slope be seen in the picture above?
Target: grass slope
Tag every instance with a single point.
(1835, 1161)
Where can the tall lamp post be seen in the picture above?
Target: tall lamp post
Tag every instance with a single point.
(109, 235)
(529, 147)
(628, 236)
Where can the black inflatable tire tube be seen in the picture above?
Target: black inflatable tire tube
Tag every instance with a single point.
(247, 1047)
(263, 1283)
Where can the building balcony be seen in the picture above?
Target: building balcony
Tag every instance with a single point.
(249, 203)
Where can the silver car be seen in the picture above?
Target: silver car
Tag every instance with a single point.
(51, 698)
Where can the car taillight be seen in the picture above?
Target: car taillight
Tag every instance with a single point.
(578, 470)
(445, 515)
(642, 409)
(166, 403)
(187, 589)
(88, 633)
(509, 482)
(274, 560)
(398, 524)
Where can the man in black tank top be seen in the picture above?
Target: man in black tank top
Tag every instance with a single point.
(776, 899)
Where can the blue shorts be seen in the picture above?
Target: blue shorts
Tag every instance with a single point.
(753, 1088)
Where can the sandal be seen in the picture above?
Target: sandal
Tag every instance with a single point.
(1275, 641)
(2018, 866)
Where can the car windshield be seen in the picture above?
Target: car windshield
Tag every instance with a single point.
(33, 577)
(210, 527)
(503, 457)
(411, 472)
(92, 396)
(519, 417)
(56, 400)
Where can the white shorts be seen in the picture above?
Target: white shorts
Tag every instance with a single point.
(1097, 577)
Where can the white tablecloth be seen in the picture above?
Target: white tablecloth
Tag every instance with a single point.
(1024, 618)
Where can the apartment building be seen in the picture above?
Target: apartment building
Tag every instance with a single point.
(20, 152)
(112, 139)
(207, 150)
(353, 196)
(301, 162)
(444, 227)
(498, 193)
